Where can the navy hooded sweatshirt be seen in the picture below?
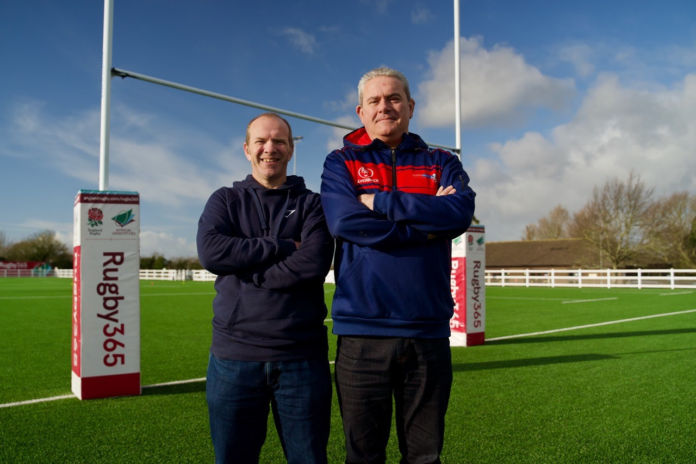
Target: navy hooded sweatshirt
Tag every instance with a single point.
(270, 296)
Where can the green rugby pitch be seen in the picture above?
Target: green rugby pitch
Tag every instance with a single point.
(603, 391)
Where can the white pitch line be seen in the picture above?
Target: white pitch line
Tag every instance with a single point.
(38, 400)
(591, 325)
(177, 382)
(588, 301)
(678, 293)
(522, 298)
(66, 397)
(175, 294)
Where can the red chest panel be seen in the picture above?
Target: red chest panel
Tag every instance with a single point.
(375, 177)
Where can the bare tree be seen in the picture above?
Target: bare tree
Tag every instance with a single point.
(4, 245)
(616, 220)
(41, 246)
(553, 226)
(673, 230)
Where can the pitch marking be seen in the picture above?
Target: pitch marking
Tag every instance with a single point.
(588, 301)
(39, 400)
(62, 397)
(678, 293)
(591, 325)
(522, 298)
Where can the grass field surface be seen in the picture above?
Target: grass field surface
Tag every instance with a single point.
(599, 392)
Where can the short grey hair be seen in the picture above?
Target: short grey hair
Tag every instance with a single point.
(387, 72)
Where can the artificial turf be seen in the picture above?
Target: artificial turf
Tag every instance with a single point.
(622, 392)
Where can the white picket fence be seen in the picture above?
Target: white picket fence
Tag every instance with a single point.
(28, 273)
(158, 274)
(579, 278)
(598, 278)
(171, 274)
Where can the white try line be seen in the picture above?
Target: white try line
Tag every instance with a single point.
(67, 397)
(179, 382)
(38, 400)
(589, 301)
(175, 294)
(678, 293)
(591, 325)
(523, 298)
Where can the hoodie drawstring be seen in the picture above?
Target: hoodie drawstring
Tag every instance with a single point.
(264, 222)
(282, 215)
(262, 216)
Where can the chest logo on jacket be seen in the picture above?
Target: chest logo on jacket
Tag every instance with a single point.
(364, 172)
(367, 176)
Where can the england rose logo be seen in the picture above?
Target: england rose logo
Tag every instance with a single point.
(94, 217)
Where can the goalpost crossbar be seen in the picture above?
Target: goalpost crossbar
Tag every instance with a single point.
(153, 80)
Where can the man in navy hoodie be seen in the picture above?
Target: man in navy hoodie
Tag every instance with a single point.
(267, 241)
(394, 205)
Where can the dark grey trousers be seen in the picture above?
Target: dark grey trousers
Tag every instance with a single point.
(416, 373)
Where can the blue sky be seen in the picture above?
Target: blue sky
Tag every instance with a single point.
(558, 97)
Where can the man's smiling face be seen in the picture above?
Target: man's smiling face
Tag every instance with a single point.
(385, 110)
(269, 148)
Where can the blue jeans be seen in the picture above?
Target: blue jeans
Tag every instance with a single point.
(239, 394)
(417, 373)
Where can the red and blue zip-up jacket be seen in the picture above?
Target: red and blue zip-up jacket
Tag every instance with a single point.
(392, 264)
(270, 295)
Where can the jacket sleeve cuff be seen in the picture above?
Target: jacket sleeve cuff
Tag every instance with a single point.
(287, 247)
(379, 204)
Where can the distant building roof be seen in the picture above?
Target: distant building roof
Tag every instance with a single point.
(539, 254)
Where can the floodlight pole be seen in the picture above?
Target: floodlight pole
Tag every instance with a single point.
(106, 95)
(457, 83)
(294, 158)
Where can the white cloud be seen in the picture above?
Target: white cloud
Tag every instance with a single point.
(421, 15)
(334, 29)
(380, 5)
(580, 56)
(616, 129)
(147, 154)
(348, 104)
(173, 167)
(62, 231)
(498, 87)
(305, 42)
(335, 141)
(166, 244)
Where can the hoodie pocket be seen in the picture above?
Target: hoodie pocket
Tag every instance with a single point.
(408, 284)
(349, 270)
(226, 309)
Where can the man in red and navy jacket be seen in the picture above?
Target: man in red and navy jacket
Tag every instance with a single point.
(393, 204)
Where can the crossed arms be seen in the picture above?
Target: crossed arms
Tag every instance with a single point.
(396, 219)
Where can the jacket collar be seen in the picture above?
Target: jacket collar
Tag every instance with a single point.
(360, 139)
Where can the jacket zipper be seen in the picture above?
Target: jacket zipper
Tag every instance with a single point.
(393, 170)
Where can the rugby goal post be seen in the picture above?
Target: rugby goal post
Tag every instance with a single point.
(468, 283)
